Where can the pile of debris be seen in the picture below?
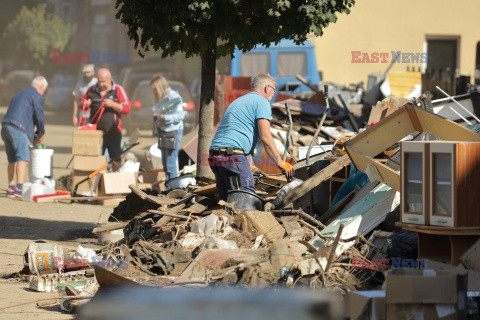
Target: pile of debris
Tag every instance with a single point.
(341, 224)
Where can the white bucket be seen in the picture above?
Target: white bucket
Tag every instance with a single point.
(41, 164)
(156, 157)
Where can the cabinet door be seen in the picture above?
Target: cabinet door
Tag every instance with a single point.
(442, 175)
(413, 183)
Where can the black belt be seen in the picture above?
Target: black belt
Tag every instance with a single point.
(225, 151)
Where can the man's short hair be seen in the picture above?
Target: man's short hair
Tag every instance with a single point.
(39, 82)
(261, 80)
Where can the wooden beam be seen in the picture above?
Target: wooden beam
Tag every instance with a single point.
(315, 180)
(383, 134)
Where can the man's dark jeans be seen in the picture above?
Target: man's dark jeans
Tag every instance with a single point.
(232, 172)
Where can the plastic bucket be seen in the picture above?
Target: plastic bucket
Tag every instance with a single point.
(41, 164)
(44, 257)
(245, 200)
(156, 157)
(109, 236)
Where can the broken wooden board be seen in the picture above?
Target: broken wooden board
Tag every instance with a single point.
(266, 224)
(209, 262)
(294, 230)
(367, 210)
(196, 208)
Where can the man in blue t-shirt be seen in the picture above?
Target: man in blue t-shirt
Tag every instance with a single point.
(246, 120)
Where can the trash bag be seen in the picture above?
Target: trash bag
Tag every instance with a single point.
(403, 244)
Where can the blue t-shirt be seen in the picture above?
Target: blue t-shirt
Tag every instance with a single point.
(239, 127)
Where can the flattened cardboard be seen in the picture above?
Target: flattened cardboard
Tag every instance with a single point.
(365, 305)
(87, 142)
(425, 286)
(88, 163)
(471, 257)
(117, 182)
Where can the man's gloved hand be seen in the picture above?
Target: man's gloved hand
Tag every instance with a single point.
(287, 169)
(255, 170)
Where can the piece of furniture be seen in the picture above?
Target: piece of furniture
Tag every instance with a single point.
(443, 243)
(440, 182)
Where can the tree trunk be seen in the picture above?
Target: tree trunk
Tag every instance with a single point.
(205, 130)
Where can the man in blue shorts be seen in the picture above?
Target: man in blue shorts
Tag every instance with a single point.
(246, 120)
(18, 128)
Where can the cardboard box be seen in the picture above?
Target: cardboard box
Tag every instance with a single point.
(88, 163)
(87, 142)
(152, 177)
(365, 305)
(425, 294)
(89, 186)
(116, 183)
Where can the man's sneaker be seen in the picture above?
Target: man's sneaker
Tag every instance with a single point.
(17, 193)
(10, 193)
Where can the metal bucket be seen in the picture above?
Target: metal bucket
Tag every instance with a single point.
(245, 200)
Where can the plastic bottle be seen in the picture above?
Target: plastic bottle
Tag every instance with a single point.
(27, 191)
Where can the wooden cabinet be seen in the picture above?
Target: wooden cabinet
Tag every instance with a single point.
(440, 183)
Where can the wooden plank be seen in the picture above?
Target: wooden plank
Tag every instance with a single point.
(388, 175)
(444, 128)
(196, 208)
(383, 134)
(440, 230)
(166, 219)
(266, 224)
(52, 198)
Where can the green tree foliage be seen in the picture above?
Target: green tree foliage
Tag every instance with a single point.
(34, 34)
(213, 28)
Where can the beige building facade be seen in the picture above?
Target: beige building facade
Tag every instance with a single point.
(445, 33)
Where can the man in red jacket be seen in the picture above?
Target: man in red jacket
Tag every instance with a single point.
(107, 102)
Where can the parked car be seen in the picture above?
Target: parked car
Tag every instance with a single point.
(141, 113)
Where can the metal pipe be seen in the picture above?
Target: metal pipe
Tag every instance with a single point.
(456, 102)
(319, 126)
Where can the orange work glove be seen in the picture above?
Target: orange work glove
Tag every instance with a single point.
(287, 169)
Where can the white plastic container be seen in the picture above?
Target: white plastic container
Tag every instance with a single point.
(156, 157)
(27, 191)
(49, 185)
(41, 164)
(37, 189)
